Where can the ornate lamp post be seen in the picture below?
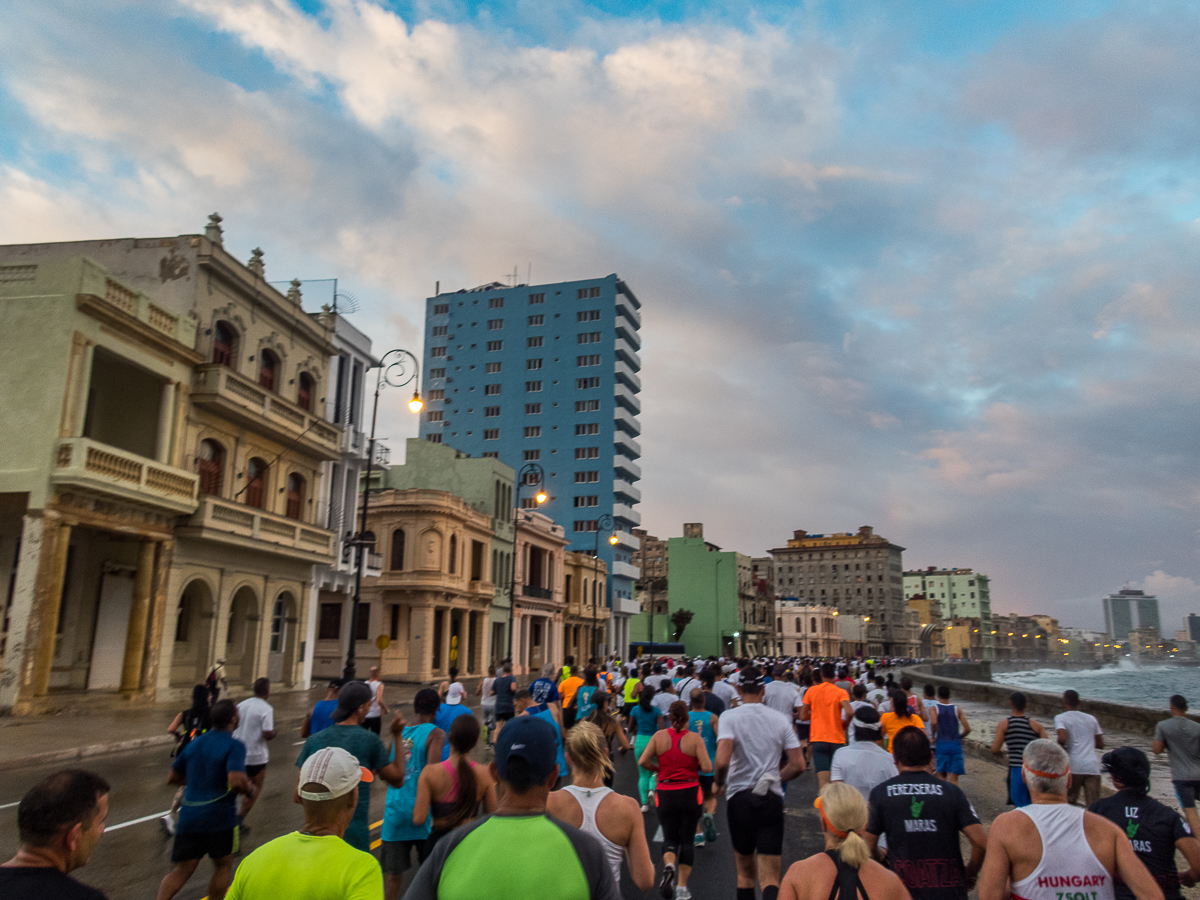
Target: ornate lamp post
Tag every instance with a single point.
(394, 371)
(532, 474)
(604, 523)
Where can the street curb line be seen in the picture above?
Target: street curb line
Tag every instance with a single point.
(53, 756)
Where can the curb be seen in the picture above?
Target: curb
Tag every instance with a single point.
(55, 756)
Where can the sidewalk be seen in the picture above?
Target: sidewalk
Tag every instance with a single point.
(48, 739)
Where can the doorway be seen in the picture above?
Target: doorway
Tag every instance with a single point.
(112, 627)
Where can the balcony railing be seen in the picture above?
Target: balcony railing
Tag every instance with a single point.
(627, 375)
(90, 464)
(94, 282)
(627, 398)
(626, 351)
(627, 445)
(261, 410)
(541, 593)
(244, 525)
(626, 421)
(623, 463)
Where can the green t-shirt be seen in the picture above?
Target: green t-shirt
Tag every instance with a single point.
(507, 857)
(303, 867)
(364, 746)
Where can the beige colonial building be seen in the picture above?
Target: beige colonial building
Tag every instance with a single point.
(540, 601)
(434, 594)
(586, 617)
(158, 484)
(804, 630)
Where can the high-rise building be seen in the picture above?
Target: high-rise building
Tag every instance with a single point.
(1128, 609)
(548, 374)
(1192, 623)
(959, 593)
(650, 556)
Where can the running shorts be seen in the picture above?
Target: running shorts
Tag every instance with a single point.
(803, 729)
(395, 857)
(822, 754)
(1187, 792)
(755, 823)
(373, 724)
(253, 771)
(706, 785)
(199, 844)
(949, 757)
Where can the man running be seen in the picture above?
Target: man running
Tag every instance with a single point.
(705, 724)
(321, 715)
(949, 725)
(379, 709)
(543, 689)
(1050, 848)
(1180, 736)
(863, 764)
(827, 708)
(256, 726)
(1016, 732)
(752, 740)
(504, 689)
(1080, 734)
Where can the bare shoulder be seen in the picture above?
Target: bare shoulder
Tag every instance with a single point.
(1094, 824)
(804, 876)
(1009, 824)
(561, 804)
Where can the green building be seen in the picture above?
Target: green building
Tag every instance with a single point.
(961, 594)
(704, 581)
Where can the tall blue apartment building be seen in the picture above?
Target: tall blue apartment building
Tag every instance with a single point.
(549, 374)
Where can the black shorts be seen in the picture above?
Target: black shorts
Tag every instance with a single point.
(1186, 792)
(373, 723)
(706, 785)
(755, 823)
(254, 771)
(504, 716)
(803, 729)
(568, 718)
(395, 857)
(199, 844)
(627, 709)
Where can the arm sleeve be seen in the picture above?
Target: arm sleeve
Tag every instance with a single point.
(728, 727)
(378, 755)
(1179, 828)
(964, 812)
(835, 768)
(1158, 733)
(424, 886)
(1099, 730)
(179, 763)
(269, 720)
(591, 859)
(790, 741)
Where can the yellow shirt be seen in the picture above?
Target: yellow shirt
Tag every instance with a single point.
(307, 867)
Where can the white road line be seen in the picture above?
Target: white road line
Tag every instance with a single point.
(10, 805)
(298, 743)
(148, 818)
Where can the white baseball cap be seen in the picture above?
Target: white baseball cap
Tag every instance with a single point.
(334, 769)
(454, 694)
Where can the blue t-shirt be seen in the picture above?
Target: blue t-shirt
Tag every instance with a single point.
(208, 802)
(504, 695)
(544, 692)
(397, 813)
(701, 724)
(322, 716)
(558, 741)
(646, 719)
(446, 714)
(364, 746)
(583, 703)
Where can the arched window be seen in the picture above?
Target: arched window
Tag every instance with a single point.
(304, 392)
(398, 550)
(583, 597)
(224, 344)
(453, 553)
(814, 626)
(268, 370)
(211, 466)
(256, 482)
(295, 497)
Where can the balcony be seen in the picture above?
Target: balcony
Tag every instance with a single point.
(626, 351)
(625, 570)
(626, 465)
(627, 398)
(109, 299)
(626, 422)
(627, 375)
(627, 445)
(626, 489)
(628, 513)
(238, 525)
(626, 308)
(629, 332)
(627, 541)
(241, 400)
(354, 442)
(540, 593)
(91, 465)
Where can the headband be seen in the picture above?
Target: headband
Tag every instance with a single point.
(1047, 774)
(821, 809)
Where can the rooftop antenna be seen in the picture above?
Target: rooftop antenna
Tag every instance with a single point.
(529, 273)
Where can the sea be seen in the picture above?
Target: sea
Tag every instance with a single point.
(1150, 686)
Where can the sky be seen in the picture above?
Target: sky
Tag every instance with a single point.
(926, 266)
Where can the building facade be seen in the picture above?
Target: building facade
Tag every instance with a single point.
(1128, 609)
(650, 556)
(586, 615)
(541, 601)
(959, 593)
(803, 630)
(548, 374)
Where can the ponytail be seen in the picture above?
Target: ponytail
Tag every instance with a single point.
(854, 851)
(844, 809)
(900, 705)
(464, 735)
(646, 695)
(678, 713)
(588, 750)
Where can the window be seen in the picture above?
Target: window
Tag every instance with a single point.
(363, 631)
(435, 415)
(533, 409)
(491, 412)
(397, 550)
(495, 345)
(588, 315)
(224, 344)
(394, 625)
(453, 553)
(256, 482)
(533, 431)
(491, 369)
(439, 394)
(587, 428)
(585, 293)
(438, 373)
(268, 369)
(583, 384)
(799, 625)
(536, 298)
(586, 477)
(587, 405)
(211, 466)
(533, 341)
(295, 497)
(533, 387)
(587, 337)
(587, 452)
(330, 627)
(491, 434)
(495, 324)
(528, 503)
(433, 438)
(537, 320)
(585, 525)
(438, 353)
(533, 455)
(441, 309)
(491, 390)
(584, 361)
(495, 302)
(590, 500)
(531, 364)
(440, 330)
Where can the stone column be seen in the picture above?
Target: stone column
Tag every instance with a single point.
(46, 605)
(22, 629)
(447, 621)
(166, 424)
(139, 616)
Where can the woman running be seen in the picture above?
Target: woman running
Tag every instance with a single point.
(678, 755)
(845, 871)
(646, 721)
(454, 789)
(582, 701)
(901, 716)
(610, 727)
(487, 702)
(611, 818)
(632, 687)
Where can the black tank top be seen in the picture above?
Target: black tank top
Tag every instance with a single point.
(847, 885)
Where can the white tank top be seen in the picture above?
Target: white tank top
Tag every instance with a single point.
(375, 711)
(589, 801)
(1067, 863)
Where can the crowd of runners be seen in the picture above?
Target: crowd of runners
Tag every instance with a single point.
(541, 819)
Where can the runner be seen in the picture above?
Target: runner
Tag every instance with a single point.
(186, 727)
(664, 697)
(845, 869)
(827, 708)
(1181, 737)
(519, 853)
(863, 763)
(447, 712)
(256, 726)
(928, 702)
(59, 823)
(379, 709)
(504, 689)
(315, 861)
(543, 689)
(581, 700)
(1016, 732)
(1081, 735)
(752, 741)
(647, 720)
(782, 695)
(213, 768)
(609, 726)
(858, 700)
(456, 789)
(677, 755)
(420, 743)
(566, 690)
(1155, 830)
(632, 688)
(950, 726)
(321, 714)
(487, 702)
(725, 691)
(704, 723)
(712, 702)
(922, 817)
(900, 716)
(587, 804)
(1049, 845)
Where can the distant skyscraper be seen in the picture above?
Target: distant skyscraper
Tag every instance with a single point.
(548, 374)
(1192, 623)
(1128, 609)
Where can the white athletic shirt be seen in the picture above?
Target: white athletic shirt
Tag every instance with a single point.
(1072, 865)
(375, 711)
(589, 800)
(255, 716)
(760, 735)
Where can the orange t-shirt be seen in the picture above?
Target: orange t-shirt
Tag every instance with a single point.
(568, 689)
(825, 702)
(892, 724)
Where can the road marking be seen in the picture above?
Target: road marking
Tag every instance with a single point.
(148, 818)
(9, 805)
(375, 844)
(295, 744)
(377, 824)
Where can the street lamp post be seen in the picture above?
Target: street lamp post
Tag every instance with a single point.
(396, 374)
(604, 523)
(538, 479)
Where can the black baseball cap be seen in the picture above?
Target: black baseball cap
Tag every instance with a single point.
(353, 695)
(531, 739)
(1128, 765)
